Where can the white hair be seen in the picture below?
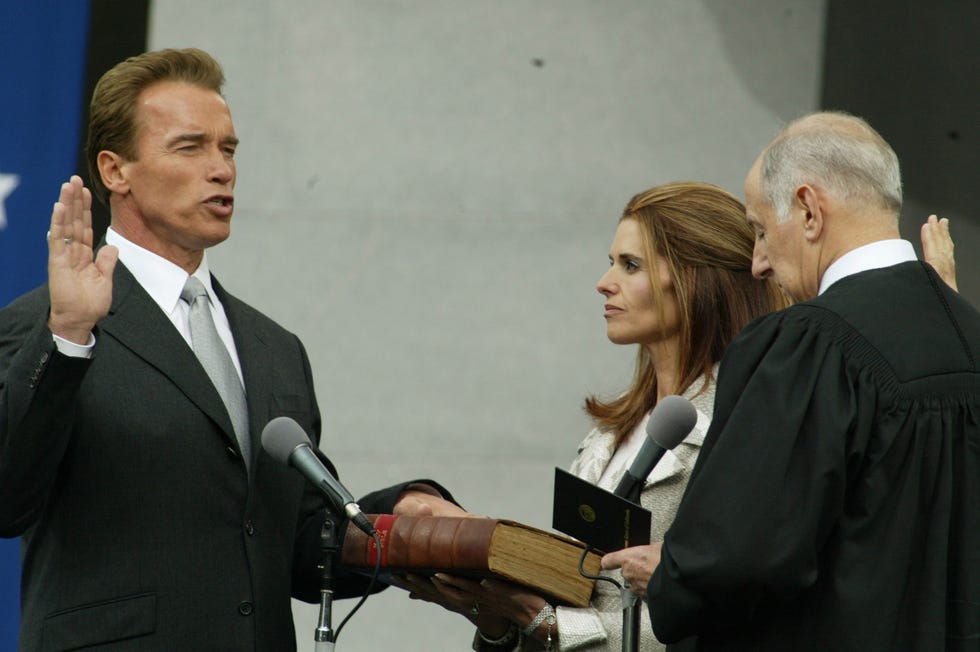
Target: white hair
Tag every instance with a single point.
(838, 152)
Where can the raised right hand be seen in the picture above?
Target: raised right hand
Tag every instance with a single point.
(937, 248)
(79, 283)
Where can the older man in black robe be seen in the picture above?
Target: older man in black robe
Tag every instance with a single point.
(836, 501)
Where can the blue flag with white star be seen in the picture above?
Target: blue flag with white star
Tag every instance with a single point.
(42, 78)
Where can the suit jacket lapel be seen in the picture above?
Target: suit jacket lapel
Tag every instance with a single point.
(139, 324)
(255, 357)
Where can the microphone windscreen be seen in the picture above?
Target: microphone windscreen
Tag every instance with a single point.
(672, 419)
(281, 436)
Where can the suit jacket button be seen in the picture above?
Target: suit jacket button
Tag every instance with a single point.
(245, 608)
(249, 528)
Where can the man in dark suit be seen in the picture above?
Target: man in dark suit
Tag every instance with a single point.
(834, 504)
(147, 522)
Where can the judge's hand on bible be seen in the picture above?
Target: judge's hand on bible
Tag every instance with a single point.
(637, 564)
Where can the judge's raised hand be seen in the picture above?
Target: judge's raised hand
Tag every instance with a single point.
(937, 248)
(80, 285)
(637, 564)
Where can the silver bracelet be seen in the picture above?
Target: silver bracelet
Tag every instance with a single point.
(483, 642)
(547, 613)
(508, 636)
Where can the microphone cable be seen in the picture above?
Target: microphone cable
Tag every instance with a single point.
(583, 573)
(367, 591)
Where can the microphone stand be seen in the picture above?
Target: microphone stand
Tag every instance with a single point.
(631, 619)
(631, 602)
(329, 545)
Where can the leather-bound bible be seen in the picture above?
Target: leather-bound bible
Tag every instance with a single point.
(475, 547)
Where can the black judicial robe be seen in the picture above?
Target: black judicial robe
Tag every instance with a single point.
(836, 501)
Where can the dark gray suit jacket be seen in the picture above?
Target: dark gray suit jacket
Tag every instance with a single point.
(141, 529)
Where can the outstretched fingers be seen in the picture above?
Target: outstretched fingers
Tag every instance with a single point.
(79, 284)
(937, 248)
(71, 223)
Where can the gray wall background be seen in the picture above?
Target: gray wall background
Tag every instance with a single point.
(427, 193)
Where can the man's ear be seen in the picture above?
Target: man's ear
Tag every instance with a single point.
(113, 172)
(813, 217)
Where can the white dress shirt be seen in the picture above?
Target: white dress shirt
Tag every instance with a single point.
(876, 255)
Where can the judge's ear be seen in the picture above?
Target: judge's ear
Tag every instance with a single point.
(808, 200)
(112, 168)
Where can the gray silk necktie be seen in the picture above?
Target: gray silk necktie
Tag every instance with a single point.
(214, 356)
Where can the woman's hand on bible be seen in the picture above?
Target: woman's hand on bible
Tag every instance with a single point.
(490, 604)
(460, 595)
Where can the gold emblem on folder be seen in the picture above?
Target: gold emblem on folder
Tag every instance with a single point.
(587, 513)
